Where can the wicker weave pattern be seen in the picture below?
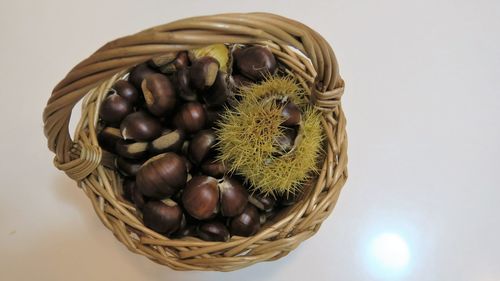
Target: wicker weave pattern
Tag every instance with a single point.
(83, 160)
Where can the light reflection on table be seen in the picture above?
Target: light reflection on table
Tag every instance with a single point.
(388, 255)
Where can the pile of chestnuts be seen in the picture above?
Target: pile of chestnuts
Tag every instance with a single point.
(160, 122)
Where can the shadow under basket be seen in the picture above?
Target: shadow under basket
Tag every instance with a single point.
(297, 47)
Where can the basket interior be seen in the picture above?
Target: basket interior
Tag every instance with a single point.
(276, 237)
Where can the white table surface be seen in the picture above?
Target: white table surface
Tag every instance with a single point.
(423, 108)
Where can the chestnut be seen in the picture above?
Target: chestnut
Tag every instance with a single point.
(188, 227)
(132, 194)
(213, 231)
(180, 61)
(184, 147)
(128, 188)
(138, 73)
(213, 168)
(189, 165)
(138, 198)
(288, 199)
(286, 141)
(127, 91)
(238, 80)
(128, 167)
(188, 230)
(191, 117)
(262, 202)
(169, 141)
(247, 223)
(159, 94)
(203, 72)
(162, 175)
(161, 61)
(140, 126)
(263, 218)
(108, 137)
(269, 215)
(255, 62)
(233, 197)
(200, 145)
(162, 216)
(131, 149)
(219, 92)
(114, 108)
(200, 197)
(291, 114)
(184, 88)
(213, 114)
(218, 51)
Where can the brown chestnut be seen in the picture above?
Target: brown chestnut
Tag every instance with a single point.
(255, 62)
(219, 92)
(191, 117)
(189, 165)
(213, 231)
(271, 215)
(188, 230)
(262, 202)
(140, 126)
(247, 223)
(159, 94)
(127, 91)
(188, 227)
(128, 188)
(132, 194)
(203, 72)
(184, 88)
(138, 73)
(288, 199)
(162, 175)
(138, 198)
(200, 145)
(162, 216)
(291, 114)
(238, 80)
(200, 197)
(169, 141)
(128, 167)
(131, 149)
(163, 60)
(286, 141)
(263, 218)
(213, 114)
(114, 108)
(213, 168)
(184, 147)
(108, 137)
(180, 61)
(233, 197)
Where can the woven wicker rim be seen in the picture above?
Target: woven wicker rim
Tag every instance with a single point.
(84, 161)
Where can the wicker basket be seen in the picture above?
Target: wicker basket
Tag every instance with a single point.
(83, 160)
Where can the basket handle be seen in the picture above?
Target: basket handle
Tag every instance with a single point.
(128, 51)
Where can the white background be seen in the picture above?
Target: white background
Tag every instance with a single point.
(423, 108)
